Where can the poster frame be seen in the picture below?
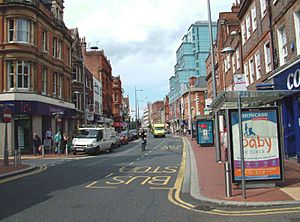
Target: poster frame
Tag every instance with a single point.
(234, 180)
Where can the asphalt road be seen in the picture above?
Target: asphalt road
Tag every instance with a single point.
(126, 185)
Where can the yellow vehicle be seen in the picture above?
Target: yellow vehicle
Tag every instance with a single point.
(158, 130)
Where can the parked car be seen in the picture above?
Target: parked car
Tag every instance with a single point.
(123, 137)
(92, 140)
(133, 134)
(118, 141)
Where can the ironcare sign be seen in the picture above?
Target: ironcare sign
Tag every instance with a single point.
(262, 153)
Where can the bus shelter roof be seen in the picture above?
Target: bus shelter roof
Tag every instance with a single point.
(249, 98)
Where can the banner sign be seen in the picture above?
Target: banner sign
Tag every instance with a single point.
(261, 145)
(205, 132)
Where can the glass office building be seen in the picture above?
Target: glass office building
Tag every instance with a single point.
(191, 56)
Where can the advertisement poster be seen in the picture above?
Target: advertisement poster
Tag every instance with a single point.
(205, 132)
(260, 143)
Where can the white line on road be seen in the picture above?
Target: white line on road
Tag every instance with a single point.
(131, 163)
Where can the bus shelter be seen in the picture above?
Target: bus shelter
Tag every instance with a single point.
(254, 136)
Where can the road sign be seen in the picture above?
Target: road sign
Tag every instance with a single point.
(7, 115)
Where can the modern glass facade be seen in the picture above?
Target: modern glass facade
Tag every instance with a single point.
(191, 56)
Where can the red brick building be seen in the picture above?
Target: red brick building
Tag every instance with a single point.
(117, 102)
(156, 112)
(36, 69)
(98, 64)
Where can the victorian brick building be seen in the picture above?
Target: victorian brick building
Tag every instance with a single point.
(98, 64)
(36, 69)
(117, 103)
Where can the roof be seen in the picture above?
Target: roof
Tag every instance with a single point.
(249, 98)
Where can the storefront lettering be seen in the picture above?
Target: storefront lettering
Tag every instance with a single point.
(258, 143)
(293, 80)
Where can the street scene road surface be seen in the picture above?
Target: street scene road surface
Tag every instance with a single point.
(126, 185)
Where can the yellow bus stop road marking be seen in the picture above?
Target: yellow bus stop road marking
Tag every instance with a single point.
(293, 192)
(174, 197)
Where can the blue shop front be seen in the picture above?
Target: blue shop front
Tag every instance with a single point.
(289, 79)
(38, 117)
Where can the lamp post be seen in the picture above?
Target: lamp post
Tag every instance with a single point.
(136, 106)
(216, 122)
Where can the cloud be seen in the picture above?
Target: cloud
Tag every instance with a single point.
(140, 37)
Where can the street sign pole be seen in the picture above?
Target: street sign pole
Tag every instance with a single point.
(5, 147)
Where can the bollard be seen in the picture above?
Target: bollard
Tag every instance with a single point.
(43, 151)
(227, 179)
(16, 157)
(19, 156)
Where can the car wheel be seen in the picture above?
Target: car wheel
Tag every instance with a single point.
(74, 153)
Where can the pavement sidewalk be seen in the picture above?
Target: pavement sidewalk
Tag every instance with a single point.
(208, 181)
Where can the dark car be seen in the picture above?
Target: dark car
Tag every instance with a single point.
(123, 137)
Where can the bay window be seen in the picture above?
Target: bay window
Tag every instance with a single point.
(20, 30)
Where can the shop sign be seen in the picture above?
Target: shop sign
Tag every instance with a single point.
(293, 80)
(262, 156)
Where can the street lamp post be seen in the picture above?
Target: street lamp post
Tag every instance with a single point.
(136, 107)
(216, 122)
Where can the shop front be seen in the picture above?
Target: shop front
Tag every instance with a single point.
(36, 117)
(289, 79)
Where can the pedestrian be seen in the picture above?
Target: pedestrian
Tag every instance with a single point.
(36, 144)
(48, 136)
(64, 142)
(57, 141)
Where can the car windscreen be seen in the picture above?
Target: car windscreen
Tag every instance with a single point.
(159, 128)
(87, 134)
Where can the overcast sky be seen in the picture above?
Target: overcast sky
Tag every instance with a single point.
(139, 37)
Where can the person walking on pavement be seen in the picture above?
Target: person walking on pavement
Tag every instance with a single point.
(36, 144)
(57, 141)
(64, 141)
(48, 135)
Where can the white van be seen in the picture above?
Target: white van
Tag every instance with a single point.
(92, 140)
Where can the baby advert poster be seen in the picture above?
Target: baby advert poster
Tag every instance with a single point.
(260, 144)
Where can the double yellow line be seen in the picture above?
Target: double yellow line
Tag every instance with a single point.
(174, 197)
(38, 170)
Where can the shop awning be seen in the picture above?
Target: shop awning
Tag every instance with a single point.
(249, 98)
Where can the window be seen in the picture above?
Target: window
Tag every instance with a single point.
(244, 36)
(267, 51)
(45, 41)
(233, 63)
(54, 84)
(19, 71)
(263, 8)
(11, 75)
(116, 98)
(253, 17)
(251, 70)
(20, 30)
(228, 62)
(96, 88)
(237, 53)
(257, 65)
(248, 27)
(59, 49)
(297, 30)
(44, 81)
(54, 51)
(282, 44)
(246, 66)
(225, 65)
(60, 82)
